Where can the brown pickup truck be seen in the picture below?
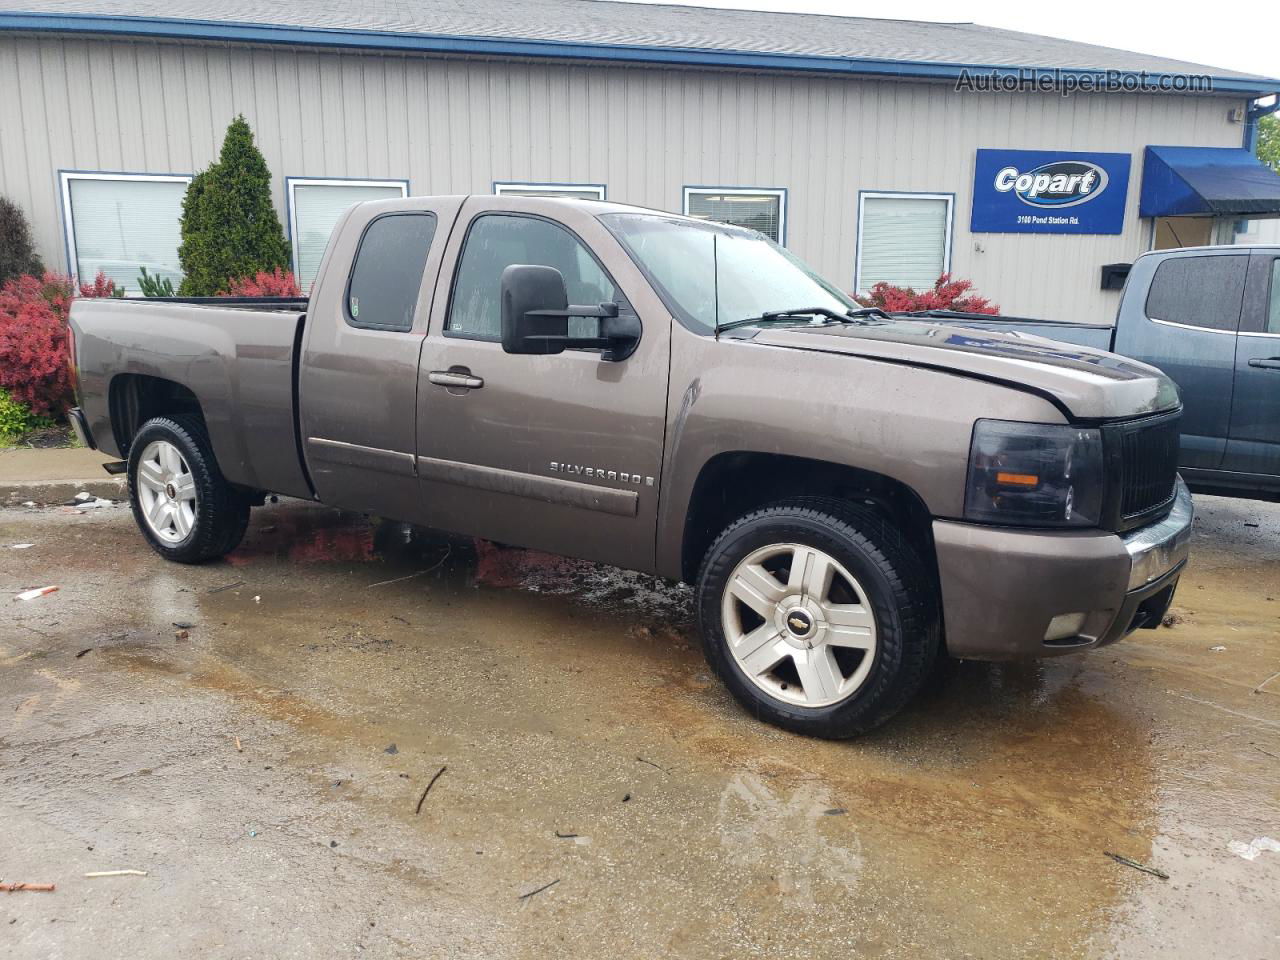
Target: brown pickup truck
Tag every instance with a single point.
(853, 495)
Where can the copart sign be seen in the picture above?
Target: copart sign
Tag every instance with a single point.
(1045, 191)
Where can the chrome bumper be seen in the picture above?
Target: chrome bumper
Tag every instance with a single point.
(1156, 549)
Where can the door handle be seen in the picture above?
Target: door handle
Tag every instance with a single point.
(1267, 363)
(455, 378)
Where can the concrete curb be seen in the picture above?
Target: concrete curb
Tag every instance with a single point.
(14, 493)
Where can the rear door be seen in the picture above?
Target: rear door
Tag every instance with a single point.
(1186, 325)
(358, 380)
(1254, 444)
(564, 452)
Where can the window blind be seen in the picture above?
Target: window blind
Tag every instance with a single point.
(903, 241)
(579, 193)
(317, 207)
(120, 226)
(755, 211)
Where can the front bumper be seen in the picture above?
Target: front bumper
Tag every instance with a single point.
(1002, 587)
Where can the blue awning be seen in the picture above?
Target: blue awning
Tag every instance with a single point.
(1207, 181)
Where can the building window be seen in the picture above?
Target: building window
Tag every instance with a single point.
(316, 206)
(118, 223)
(904, 239)
(387, 274)
(755, 208)
(580, 191)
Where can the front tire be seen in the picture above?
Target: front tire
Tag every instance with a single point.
(182, 504)
(818, 616)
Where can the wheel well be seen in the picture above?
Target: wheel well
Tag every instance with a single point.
(733, 484)
(134, 399)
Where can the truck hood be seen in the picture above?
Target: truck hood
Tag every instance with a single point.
(1089, 383)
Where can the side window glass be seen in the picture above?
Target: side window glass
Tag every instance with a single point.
(1273, 307)
(387, 274)
(1199, 291)
(495, 242)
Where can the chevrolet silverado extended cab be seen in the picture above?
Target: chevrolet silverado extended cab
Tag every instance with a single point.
(1209, 317)
(853, 495)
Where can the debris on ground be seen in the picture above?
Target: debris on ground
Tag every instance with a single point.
(33, 594)
(1217, 648)
(182, 635)
(83, 652)
(418, 809)
(227, 586)
(239, 749)
(566, 836)
(84, 496)
(1120, 858)
(1250, 850)
(1172, 619)
(117, 873)
(534, 893)
(33, 887)
(183, 625)
(21, 546)
(652, 764)
(391, 749)
(835, 812)
(1258, 688)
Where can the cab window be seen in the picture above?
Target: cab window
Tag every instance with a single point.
(1199, 291)
(495, 242)
(387, 274)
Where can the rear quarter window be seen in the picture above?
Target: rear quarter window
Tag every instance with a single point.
(1199, 291)
(382, 292)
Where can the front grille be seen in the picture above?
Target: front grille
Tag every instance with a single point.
(1149, 458)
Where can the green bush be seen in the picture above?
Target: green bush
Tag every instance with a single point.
(229, 225)
(17, 252)
(16, 420)
(153, 286)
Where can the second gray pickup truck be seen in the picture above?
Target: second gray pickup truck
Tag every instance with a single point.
(853, 495)
(1209, 317)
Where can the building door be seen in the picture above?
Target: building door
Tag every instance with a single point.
(1254, 442)
(563, 452)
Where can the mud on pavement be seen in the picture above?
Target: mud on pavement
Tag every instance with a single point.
(258, 735)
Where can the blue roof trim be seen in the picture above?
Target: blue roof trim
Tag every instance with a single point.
(232, 31)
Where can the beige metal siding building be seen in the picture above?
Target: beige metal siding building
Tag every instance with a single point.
(102, 123)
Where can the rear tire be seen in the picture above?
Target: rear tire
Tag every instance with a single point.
(818, 616)
(181, 502)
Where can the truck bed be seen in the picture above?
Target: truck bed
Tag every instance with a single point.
(1096, 335)
(237, 358)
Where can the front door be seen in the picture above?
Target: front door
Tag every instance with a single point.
(561, 453)
(1254, 444)
(358, 381)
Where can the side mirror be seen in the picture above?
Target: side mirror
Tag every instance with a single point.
(536, 312)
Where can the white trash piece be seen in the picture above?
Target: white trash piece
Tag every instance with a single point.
(1256, 846)
(21, 546)
(33, 594)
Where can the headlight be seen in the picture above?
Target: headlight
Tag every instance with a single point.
(1034, 474)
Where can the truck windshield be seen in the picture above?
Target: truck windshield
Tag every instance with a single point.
(709, 274)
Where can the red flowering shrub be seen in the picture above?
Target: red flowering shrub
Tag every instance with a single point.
(33, 338)
(277, 283)
(947, 294)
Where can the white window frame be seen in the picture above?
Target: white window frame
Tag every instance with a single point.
(779, 192)
(898, 195)
(500, 188)
(291, 183)
(68, 221)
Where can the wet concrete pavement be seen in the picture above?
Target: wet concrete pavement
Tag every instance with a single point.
(246, 763)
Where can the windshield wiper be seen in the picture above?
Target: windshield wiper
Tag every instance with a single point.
(813, 315)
